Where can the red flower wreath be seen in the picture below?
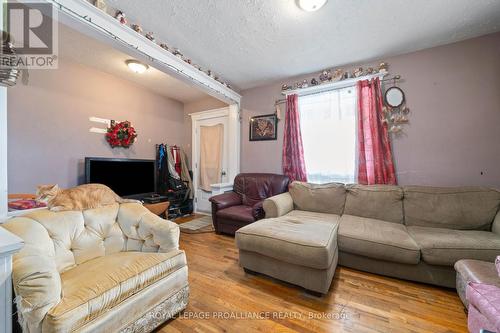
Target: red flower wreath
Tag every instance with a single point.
(121, 134)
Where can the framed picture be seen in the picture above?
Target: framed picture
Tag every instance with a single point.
(264, 127)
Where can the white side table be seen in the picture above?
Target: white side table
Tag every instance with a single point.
(9, 244)
(221, 188)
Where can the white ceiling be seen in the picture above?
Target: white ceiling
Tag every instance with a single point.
(252, 42)
(90, 52)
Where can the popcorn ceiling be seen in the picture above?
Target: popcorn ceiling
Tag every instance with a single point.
(254, 42)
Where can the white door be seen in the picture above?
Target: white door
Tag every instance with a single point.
(204, 178)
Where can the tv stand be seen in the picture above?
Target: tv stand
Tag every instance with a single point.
(159, 208)
(157, 204)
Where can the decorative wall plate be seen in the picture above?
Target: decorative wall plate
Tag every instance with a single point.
(394, 97)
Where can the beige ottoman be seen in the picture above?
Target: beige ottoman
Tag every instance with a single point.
(299, 248)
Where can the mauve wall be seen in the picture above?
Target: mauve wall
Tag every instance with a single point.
(48, 126)
(453, 92)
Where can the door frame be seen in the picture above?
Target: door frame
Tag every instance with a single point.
(3, 143)
(3, 153)
(232, 112)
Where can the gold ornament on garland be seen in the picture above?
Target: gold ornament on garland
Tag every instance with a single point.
(338, 74)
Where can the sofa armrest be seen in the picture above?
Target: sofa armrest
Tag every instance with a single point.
(35, 276)
(278, 205)
(162, 233)
(146, 231)
(226, 200)
(495, 227)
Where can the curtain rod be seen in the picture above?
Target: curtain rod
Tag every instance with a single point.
(333, 86)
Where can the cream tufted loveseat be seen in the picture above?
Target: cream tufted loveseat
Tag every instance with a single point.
(112, 269)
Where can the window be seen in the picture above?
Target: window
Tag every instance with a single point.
(328, 126)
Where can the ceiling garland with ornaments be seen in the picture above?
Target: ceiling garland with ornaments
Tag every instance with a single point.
(335, 75)
(121, 17)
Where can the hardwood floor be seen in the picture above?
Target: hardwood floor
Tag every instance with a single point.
(225, 299)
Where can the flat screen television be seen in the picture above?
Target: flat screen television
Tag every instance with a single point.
(129, 178)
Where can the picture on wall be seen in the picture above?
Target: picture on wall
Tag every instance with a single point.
(263, 127)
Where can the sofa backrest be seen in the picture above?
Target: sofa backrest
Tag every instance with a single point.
(79, 236)
(320, 198)
(255, 187)
(381, 202)
(462, 208)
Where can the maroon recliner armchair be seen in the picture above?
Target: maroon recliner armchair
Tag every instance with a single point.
(243, 205)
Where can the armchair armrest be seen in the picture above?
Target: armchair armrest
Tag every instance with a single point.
(35, 277)
(278, 205)
(139, 224)
(258, 210)
(226, 200)
(222, 201)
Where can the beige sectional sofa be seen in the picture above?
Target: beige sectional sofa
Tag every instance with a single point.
(409, 232)
(113, 269)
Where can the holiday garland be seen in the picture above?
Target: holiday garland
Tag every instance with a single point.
(121, 134)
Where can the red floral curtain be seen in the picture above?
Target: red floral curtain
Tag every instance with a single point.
(293, 151)
(375, 164)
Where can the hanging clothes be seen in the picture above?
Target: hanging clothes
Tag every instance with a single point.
(171, 164)
(185, 176)
(176, 153)
(162, 169)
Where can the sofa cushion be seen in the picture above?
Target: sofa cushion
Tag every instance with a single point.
(299, 237)
(238, 213)
(377, 239)
(321, 198)
(79, 236)
(441, 246)
(463, 208)
(96, 286)
(381, 202)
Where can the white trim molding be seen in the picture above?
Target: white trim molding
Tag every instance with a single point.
(3, 143)
(89, 20)
(332, 85)
(235, 141)
(3, 153)
(232, 113)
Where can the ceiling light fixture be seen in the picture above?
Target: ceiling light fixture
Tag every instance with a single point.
(136, 66)
(311, 5)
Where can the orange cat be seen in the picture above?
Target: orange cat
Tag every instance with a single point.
(82, 197)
